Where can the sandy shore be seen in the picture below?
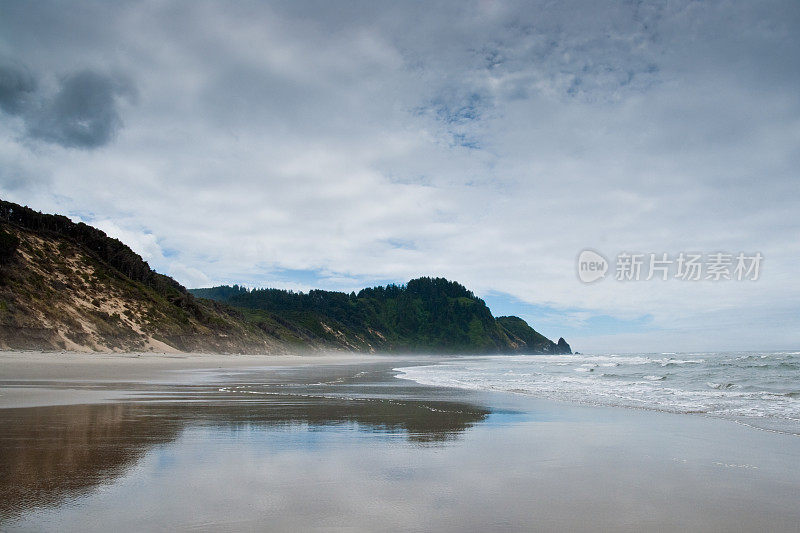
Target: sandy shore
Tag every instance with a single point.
(29, 379)
(339, 443)
(136, 366)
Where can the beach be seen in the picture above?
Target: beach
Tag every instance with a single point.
(95, 442)
(34, 378)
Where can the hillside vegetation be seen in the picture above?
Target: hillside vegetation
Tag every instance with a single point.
(426, 315)
(67, 285)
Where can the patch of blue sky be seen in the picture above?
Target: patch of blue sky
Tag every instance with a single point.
(401, 244)
(465, 141)
(554, 322)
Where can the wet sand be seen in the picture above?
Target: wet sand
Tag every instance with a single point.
(297, 444)
(29, 379)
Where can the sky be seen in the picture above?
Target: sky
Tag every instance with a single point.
(339, 145)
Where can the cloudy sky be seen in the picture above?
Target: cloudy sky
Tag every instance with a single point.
(341, 145)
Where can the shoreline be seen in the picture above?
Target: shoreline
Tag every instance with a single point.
(40, 378)
(589, 405)
(36, 379)
(338, 441)
(43, 365)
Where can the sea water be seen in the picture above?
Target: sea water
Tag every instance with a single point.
(761, 389)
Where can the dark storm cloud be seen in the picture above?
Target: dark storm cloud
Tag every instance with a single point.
(83, 113)
(17, 86)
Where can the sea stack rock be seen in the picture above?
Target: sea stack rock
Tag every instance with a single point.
(563, 347)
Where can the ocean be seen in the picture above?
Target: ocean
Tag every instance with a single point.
(759, 389)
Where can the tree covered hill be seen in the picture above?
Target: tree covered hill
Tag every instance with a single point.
(425, 315)
(67, 285)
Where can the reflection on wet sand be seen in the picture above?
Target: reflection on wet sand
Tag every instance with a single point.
(49, 454)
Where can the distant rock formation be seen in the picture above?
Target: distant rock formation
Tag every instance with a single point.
(529, 340)
(563, 347)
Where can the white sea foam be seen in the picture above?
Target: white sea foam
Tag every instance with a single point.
(760, 389)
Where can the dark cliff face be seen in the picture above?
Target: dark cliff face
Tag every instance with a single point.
(563, 347)
(67, 285)
(530, 341)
